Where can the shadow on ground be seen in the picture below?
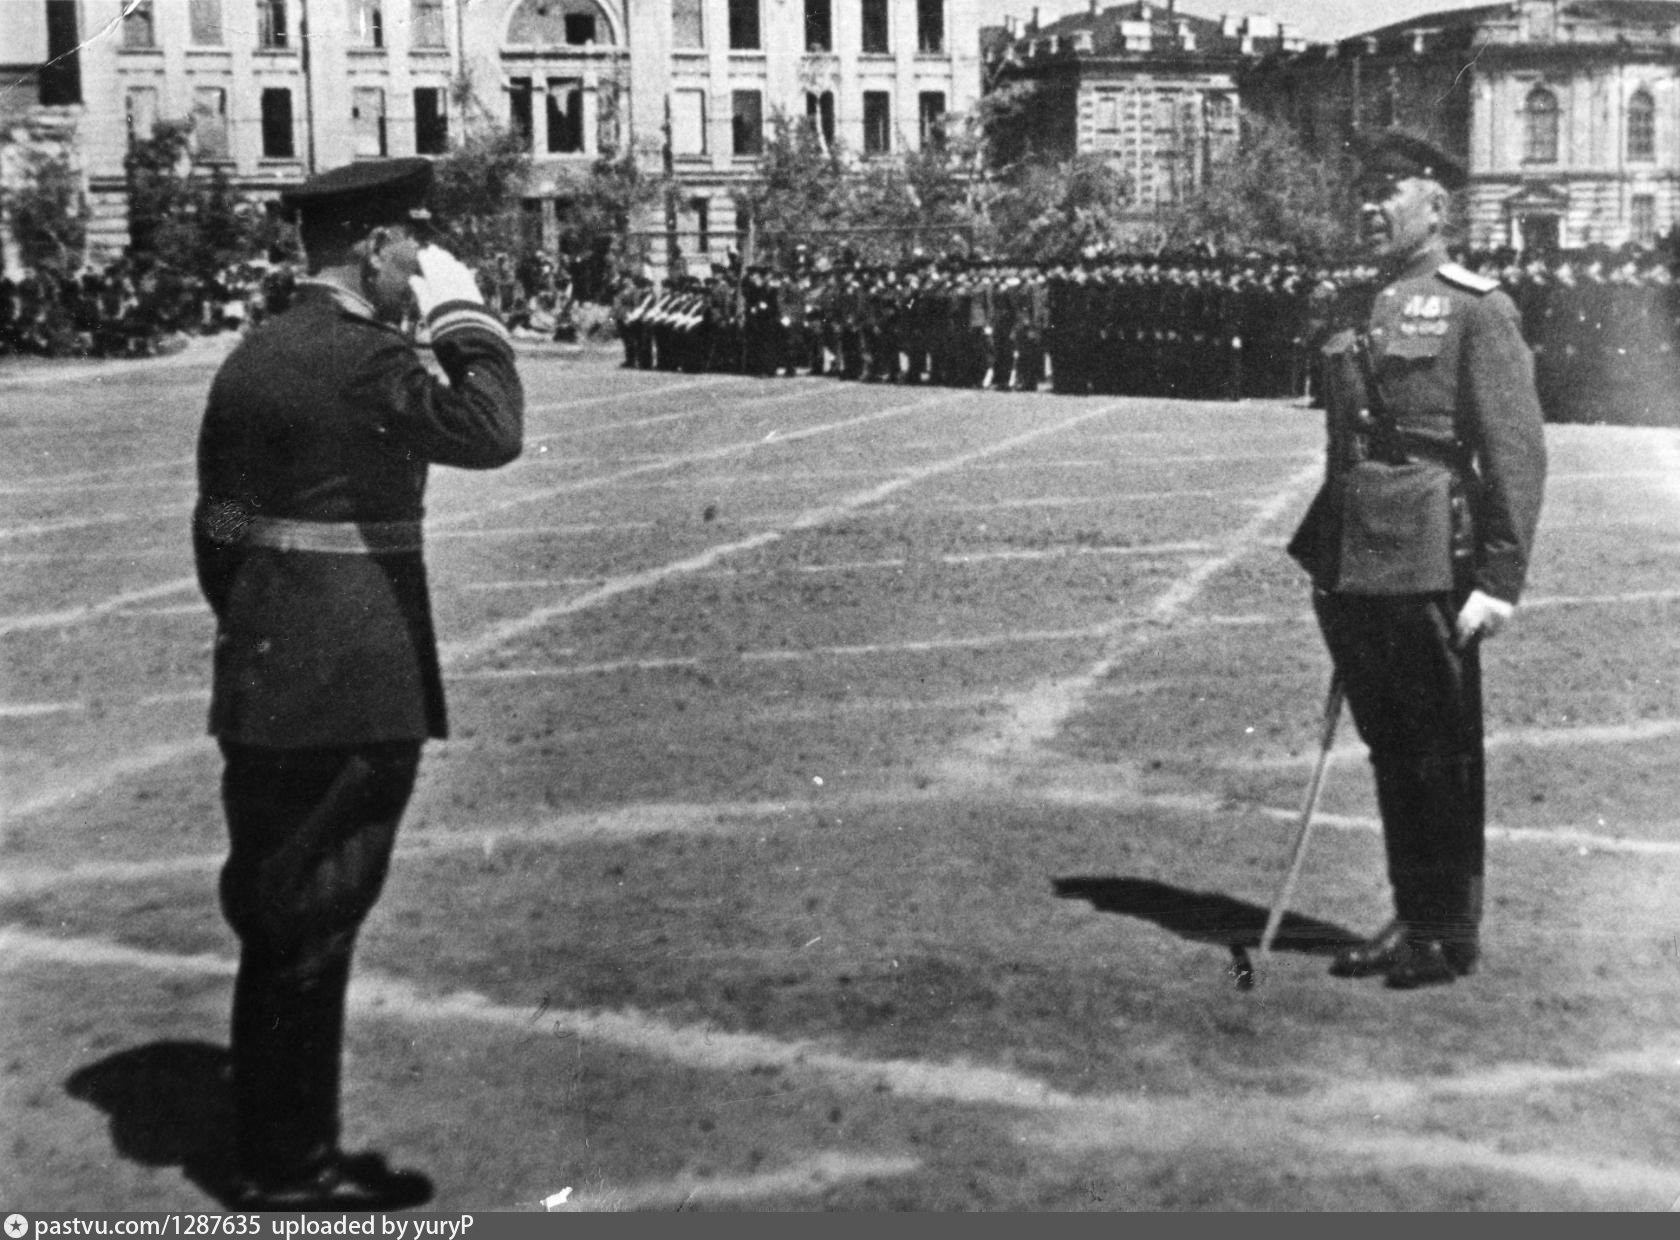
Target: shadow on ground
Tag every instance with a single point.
(1205, 916)
(170, 1106)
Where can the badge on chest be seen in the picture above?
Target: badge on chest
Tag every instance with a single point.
(1425, 314)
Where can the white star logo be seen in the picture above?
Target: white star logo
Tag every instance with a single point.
(17, 1226)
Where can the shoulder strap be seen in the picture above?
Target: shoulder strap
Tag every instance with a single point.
(1464, 278)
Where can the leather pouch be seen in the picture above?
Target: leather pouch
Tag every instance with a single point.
(1397, 529)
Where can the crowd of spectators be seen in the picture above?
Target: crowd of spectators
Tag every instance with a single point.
(132, 309)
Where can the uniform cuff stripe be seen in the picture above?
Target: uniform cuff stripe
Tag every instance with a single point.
(452, 316)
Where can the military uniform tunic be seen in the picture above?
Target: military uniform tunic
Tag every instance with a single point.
(1457, 381)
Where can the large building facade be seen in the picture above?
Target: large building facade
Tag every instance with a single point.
(1152, 90)
(1567, 112)
(278, 88)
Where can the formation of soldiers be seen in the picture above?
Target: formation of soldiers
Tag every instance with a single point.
(1604, 327)
(1605, 330)
(130, 310)
(1189, 326)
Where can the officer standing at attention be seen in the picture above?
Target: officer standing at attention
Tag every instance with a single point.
(1418, 545)
(313, 459)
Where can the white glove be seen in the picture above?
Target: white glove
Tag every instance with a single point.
(1481, 616)
(443, 278)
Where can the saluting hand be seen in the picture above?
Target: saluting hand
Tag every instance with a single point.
(443, 278)
(1481, 616)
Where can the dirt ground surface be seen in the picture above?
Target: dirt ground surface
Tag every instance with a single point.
(852, 797)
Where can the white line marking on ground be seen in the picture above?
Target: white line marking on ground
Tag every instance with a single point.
(1064, 1120)
(721, 452)
(34, 710)
(598, 428)
(91, 611)
(66, 523)
(811, 519)
(609, 398)
(809, 1175)
(101, 778)
(1575, 736)
(524, 531)
(1560, 837)
(1039, 713)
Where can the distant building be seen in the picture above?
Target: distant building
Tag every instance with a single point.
(1567, 112)
(277, 88)
(1153, 90)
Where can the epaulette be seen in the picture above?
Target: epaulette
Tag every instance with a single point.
(1464, 278)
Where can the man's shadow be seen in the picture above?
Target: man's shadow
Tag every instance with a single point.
(170, 1106)
(1205, 916)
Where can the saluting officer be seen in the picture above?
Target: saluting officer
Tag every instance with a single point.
(312, 463)
(1418, 545)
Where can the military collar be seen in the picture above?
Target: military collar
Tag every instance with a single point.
(1423, 262)
(349, 302)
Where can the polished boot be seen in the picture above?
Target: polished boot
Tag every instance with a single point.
(1423, 962)
(337, 1181)
(1377, 954)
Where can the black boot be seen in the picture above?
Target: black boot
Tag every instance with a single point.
(1377, 954)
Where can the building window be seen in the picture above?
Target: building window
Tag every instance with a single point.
(1643, 221)
(688, 29)
(930, 112)
(138, 25)
(877, 122)
(688, 122)
(367, 118)
(520, 118)
(747, 122)
(702, 211)
(431, 121)
(565, 116)
(1642, 126)
(61, 75)
(1108, 114)
(743, 25)
(204, 22)
(277, 124)
(819, 25)
(875, 26)
(271, 24)
(140, 105)
(930, 26)
(819, 114)
(557, 23)
(1540, 132)
(367, 23)
(426, 24)
(209, 120)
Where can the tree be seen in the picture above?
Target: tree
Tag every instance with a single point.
(477, 189)
(1271, 195)
(798, 194)
(180, 216)
(1042, 209)
(48, 212)
(603, 204)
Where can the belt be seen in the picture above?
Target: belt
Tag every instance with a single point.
(334, 537)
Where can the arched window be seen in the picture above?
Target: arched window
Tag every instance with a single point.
(1641, 126)
(559, 23)
(1540, 115)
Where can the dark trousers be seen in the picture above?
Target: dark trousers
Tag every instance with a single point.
(1417, 702)
(311, 832)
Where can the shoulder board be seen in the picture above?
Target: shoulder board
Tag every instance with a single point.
(1464, 278)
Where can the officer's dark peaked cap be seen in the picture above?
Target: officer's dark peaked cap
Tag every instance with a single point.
(1394, 155)
(365, 194)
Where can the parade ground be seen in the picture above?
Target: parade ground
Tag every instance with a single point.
(853, 795)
